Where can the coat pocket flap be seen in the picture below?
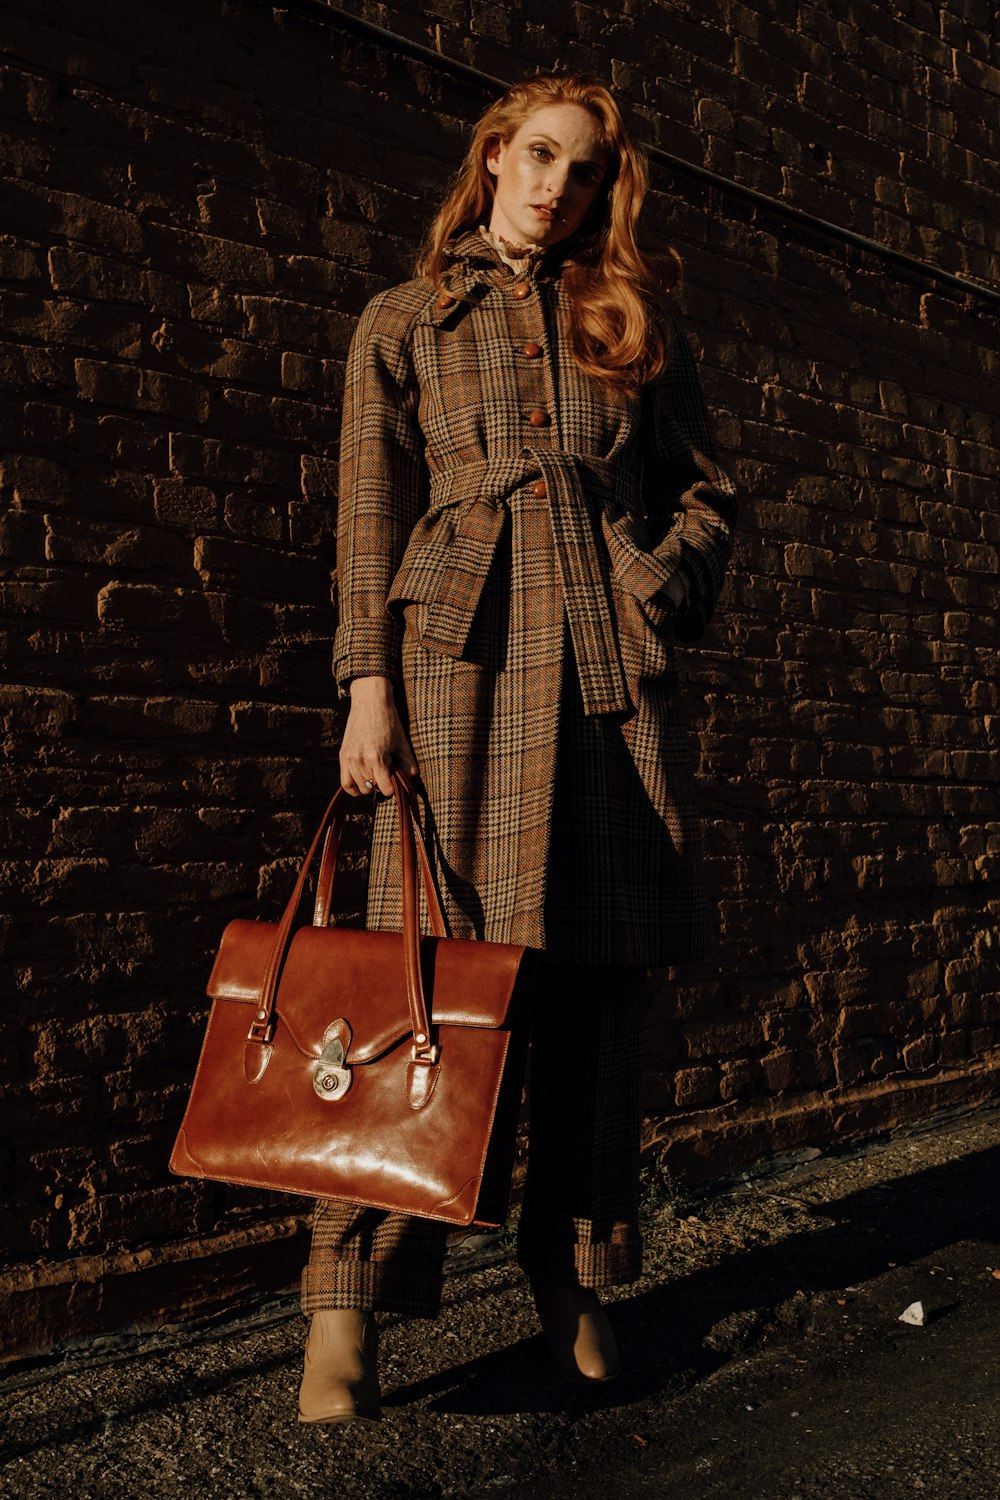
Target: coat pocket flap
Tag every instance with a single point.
(449, 574)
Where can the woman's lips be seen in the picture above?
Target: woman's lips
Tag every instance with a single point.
(548, 214)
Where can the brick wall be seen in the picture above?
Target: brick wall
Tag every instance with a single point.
(198, 199)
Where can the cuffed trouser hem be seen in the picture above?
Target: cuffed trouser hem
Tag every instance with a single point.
(570, 1263)
(580, 1218)
(367, 1288)
(373, 1261)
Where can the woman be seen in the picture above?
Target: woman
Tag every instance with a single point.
(529, 512)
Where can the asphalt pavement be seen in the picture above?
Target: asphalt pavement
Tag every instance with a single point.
(765, 1360)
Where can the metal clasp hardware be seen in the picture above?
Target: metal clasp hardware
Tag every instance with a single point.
(261, 1029)
(331, 1078)
(425, 1054)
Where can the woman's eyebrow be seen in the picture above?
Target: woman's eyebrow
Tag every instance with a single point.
(590, 161)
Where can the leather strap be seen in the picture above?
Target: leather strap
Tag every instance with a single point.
(324, 884)
(328, 871)
(421, 1049)
(330, 828)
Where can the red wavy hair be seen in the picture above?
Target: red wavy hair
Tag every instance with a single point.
(618, 290)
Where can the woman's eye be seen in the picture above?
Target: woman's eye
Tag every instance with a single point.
(541, 151)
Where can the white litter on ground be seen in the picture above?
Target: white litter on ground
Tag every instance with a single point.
(913, 1314)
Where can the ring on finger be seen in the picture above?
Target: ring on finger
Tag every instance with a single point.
(369, 784)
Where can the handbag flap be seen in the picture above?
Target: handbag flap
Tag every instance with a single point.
(339, 972)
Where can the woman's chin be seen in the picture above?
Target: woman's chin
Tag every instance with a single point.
(536, 236)
(545, 235)
(533, 229)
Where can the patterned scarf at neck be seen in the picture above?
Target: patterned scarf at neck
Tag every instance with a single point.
(518, 257)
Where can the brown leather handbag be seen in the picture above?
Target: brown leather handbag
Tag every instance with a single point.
(384, 1068)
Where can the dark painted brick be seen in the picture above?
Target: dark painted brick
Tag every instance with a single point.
(194, 215)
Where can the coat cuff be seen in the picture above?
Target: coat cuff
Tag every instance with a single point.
(367, 648)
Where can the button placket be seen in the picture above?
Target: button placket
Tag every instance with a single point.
(548, 404)
(527, 335)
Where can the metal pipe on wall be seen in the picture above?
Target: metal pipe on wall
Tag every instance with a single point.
(812, 223)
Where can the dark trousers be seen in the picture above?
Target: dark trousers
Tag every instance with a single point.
(579, 1217)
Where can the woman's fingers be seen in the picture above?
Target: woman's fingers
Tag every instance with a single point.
(374, 745)
(353, 774)
(359, 779)
(363, 777)
(378, 772)
(349, 785)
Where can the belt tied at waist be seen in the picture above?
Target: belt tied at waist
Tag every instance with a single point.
(571, 483)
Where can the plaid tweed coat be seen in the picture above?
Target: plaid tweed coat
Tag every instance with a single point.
(506, 526)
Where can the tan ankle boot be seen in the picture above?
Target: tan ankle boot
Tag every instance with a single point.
(340, 1379)
(577, 1334)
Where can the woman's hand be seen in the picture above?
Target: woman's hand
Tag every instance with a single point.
(374, 739)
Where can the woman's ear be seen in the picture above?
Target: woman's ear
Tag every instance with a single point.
(494, 156)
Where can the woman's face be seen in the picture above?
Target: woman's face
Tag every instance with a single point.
(547, 175)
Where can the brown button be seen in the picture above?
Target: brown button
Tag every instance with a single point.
(538, 418)
(531, 349)
(540, 489)
(523, 289)
(446, 300)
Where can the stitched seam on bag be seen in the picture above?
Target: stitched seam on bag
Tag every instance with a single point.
(463, 1189)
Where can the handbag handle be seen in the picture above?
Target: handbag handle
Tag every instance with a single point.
(328, 871)
(256, 1051)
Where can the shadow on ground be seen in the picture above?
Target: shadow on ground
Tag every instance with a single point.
(664, 1329)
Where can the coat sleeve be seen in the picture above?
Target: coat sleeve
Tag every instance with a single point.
(690, 501)
(382, 490)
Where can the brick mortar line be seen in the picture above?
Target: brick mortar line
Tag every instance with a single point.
(812, 223)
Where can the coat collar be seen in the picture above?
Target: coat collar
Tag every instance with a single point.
(517, 256)
(471, 252)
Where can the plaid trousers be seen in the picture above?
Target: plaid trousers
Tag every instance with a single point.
(579, 1217)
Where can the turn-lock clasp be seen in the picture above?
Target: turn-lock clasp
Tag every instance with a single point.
(331, 1078)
